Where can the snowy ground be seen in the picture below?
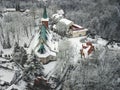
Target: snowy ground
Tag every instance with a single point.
(22, 85)
(13, 86)
(77, 46)
(114, 47)
(6, 75)
(49, 67)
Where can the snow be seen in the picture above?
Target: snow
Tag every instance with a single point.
(60, 12)
(3, 59)
(13, 86)
(10, 9)
(33, 43)
(27, 10)
(52, 44)
(49, 67)
(51, 50)
(47, 19)
(6, 51)
(66, 21)
(22, 85)
(91, 40)
(77, 25)
(46, 54)
(114, 47)
(57, 16)
(101, 41)
(24, 40)
(54, 26)
(77, 46)
(9, 65)
(6, 75)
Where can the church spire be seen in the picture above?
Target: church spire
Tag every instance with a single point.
(45, 13)
(45, 18)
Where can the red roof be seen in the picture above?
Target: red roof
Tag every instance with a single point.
(76, 27)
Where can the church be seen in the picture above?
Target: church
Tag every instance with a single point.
(43, 46)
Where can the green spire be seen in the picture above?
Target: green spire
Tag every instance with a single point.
(43, 29)
(45, 13)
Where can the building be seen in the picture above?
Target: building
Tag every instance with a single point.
(64, 24)
(67, 27)
(44, 46)
(76, 31)
(56, 17)
(87, 49)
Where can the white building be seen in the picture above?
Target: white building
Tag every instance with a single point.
(76, 31)
(63, 25)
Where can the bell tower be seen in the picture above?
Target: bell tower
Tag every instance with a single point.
(45, 18)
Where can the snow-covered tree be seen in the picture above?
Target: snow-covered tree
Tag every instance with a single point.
(34, 69)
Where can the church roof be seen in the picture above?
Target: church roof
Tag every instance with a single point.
(43, 33)
(42, 46)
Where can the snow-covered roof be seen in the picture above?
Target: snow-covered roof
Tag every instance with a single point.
(47, 19)
(13, 86)
(10, 9)
(57, 16)
(6, 75)
(49, 50)
(9, 65)
(3, 59)
(27, 10)
(46, 54)
(66, 21)
(76, 27)
(60, 12)
(52, 44)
